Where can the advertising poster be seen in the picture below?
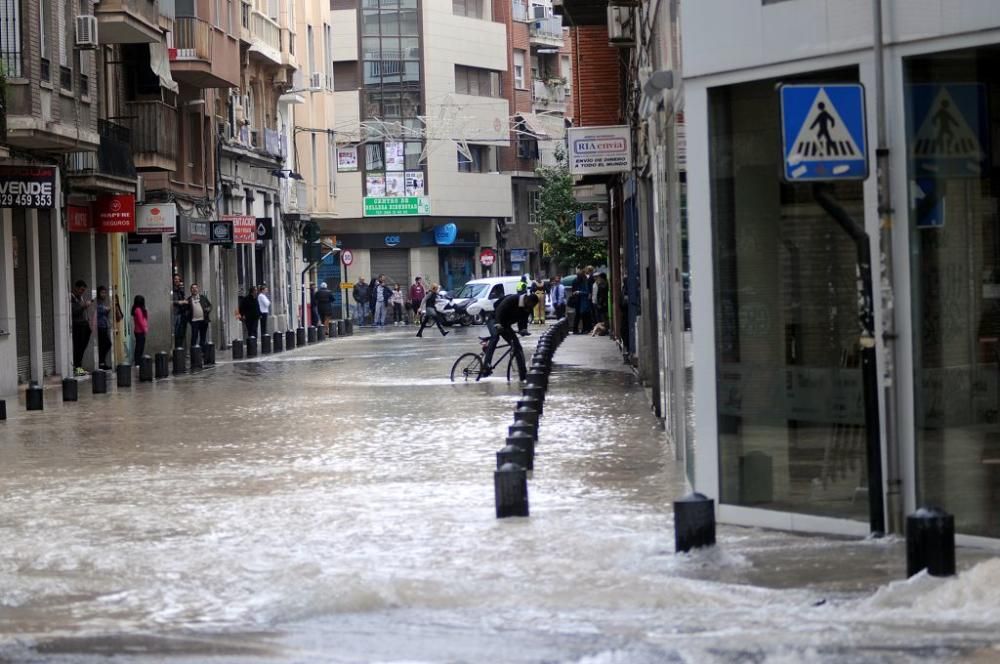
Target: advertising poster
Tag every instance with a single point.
(375, 185)
(395, 159)
(414, 183)
(347, 159)
(394, 184)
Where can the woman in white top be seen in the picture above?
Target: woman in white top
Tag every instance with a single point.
(264, 302)
(397, 300)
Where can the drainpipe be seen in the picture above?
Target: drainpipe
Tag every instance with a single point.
(894, 502)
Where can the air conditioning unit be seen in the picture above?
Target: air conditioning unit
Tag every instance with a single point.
(316, 81)
(225, 130)
(621, 26)
(86, 31)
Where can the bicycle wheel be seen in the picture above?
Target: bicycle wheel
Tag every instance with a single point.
(512, 364)
(467, 367)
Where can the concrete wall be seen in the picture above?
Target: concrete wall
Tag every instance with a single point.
(153, 281)
(749, 34)
(8, 330)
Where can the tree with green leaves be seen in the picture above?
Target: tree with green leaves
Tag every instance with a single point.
(557, 210)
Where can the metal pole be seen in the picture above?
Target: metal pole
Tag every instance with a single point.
(894, 481)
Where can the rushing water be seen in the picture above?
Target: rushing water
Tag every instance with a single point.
(335, 504)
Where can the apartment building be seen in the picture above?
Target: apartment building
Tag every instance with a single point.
(539, 90)
(411, 182)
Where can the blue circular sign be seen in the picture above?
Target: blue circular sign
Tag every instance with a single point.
(445, 234)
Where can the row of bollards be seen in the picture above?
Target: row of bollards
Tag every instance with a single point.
(517, 457)
(179, 362)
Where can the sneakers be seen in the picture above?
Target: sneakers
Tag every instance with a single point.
(445, 333)
(79, 371)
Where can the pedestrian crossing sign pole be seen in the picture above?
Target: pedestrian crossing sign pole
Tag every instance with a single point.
(823, 130)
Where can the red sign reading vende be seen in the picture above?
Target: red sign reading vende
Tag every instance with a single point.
(115, 213)
(244, 228)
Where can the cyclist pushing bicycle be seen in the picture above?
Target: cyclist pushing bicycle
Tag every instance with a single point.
(509, 311)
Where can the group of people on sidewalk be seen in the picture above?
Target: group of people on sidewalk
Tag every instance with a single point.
(254, 309)
(375, 302)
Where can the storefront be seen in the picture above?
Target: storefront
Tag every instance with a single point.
(780, 419)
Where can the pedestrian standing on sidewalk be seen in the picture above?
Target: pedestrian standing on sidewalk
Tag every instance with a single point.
(324, 305)
(373, 296)
(200, 315)
(538, 316)
(102, 310)
(140, 326)
(264, 304)
(416, 298)
(80, 307)
(180, 313)
(558, 295)
(382, 296)
(249, 312)
(397, 301)
(360, 295)
(431, 312)
(601, 298)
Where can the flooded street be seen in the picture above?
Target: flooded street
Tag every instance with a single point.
(335, 504)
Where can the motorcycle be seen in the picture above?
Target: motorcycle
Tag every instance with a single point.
(451, 312)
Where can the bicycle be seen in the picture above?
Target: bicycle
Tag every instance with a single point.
(469, 366)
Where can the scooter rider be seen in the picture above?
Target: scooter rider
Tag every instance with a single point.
(510, 310)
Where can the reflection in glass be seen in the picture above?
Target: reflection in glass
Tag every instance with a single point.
(790, 410)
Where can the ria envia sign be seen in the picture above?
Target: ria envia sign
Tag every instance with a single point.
(600, 150)
(27, 186)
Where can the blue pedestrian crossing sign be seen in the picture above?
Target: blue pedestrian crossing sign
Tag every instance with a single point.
(823, 132)
(948, 130)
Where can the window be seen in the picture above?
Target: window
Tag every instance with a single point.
(519, 69)
(327, 56)
(345, 76)
(566, 69)
(527, 147)
(476, 81)
(331, 165)
(534, 203)
(311, 54)
(481, 161)
(470, 8)
(218, 14)
(229, 17)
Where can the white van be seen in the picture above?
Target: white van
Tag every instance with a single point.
(477, 296)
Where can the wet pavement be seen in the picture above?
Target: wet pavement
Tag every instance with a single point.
(335, 504)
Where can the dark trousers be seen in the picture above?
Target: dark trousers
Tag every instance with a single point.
(180, 331)
(140, 348)
(431, 314)
(397, 312)
(103, 345)
(515, 347)
(81, 337)
(560, 311)
(251, 327)
(199, 332)
(263, 324)
(585, 318)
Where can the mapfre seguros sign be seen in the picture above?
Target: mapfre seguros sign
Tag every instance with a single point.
(27, 186)
(599, 150)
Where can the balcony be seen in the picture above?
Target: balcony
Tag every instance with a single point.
(549, 95)
(154, 135)
(246, 11)
(546, 32)
(519, 10)
(111, 167)
(265, 37)
(204, 56)
(128, 21)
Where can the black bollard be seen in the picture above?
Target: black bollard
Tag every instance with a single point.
(180, 365)
(512, 454)
(145, 369)
(311, 335)
(510, 488)
(525, 427)
(538, 378)
(3, 410)
(237, 349)
(694, 522)
(526, 442)
(334, 331)
(278, 342)
(99, 382)
(531, 402)
(321, 332)
(930, 542)
(265, 344)
(208, 353)
(341, 327)
(162, 365)
(290, 337)
(71, 389)
(534, 391)
(34, 398)
(349, 327)
(300, 337)
(251, 343)
(124, 372)
(526, 414)
(197, 359)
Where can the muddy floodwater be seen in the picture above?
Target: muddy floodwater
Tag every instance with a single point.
(335, 504)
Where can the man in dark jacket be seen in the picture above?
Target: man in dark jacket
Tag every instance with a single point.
(324, 304)
(199, 314)
(510, 310)
(360, 294)
(416, 298)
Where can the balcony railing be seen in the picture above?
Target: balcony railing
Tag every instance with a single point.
(154, 128)
(265, 31)
(192, 39)
(520, 10)
(113, 156)
(550, 28)
(549, 93)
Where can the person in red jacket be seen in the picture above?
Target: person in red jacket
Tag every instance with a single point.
(416, 298)
(140, 326)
